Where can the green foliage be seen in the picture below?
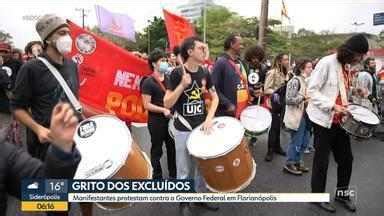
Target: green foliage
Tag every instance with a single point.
(157, 34)
(5, 36)
(158, 37)
(221, 22)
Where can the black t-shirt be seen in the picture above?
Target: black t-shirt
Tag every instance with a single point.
(152, 88)
(36, 88)
(191, 104)
(14, 65)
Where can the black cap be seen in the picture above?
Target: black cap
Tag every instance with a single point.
(357, 43)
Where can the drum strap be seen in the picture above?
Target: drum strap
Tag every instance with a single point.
(182, 120)
(68, 92)
(342, 88)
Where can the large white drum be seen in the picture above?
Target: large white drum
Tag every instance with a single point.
(223, 156)
(256, 120)
(109, 152)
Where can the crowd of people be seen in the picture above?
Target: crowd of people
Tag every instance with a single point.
(306, 99)
(185, 90)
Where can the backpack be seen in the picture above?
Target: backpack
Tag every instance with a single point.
(278, 99)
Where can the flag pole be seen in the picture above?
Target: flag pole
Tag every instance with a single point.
(205, 21)
(149, 40)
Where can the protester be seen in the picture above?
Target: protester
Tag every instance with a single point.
(172, 60)
(368, 82)
(9, 68)
(296, 119)
(37, 91)
(17, 55)
(61, 160)
(328, 89)
(230, 79)
(33, 49)
(153, 91)
(184, 93)
(256, 71)
(274, 88)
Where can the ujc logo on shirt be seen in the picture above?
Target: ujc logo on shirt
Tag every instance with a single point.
(195, 103)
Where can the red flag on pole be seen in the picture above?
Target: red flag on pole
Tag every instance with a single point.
(109, 76)
(178, 28)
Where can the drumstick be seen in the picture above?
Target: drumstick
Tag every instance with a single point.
(178, 58)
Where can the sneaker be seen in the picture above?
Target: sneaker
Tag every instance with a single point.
(347, 203)
(292, 169)
(329, 207)
(302, 168)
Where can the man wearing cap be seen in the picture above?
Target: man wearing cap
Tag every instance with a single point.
(328, 87)
(37, 91)
(8, 70)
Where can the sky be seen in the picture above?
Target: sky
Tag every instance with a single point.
(316, 15)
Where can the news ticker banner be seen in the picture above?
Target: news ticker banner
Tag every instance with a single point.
(55, 194)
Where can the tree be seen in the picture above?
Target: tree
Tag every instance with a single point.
(5, 37)
(157, 35)
(303, 32)
(218, 21)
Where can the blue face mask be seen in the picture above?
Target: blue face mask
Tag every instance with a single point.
(163, 67)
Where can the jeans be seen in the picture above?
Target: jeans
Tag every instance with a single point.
(186, 165)
(299, 142)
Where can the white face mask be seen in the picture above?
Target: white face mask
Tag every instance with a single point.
(64, 44)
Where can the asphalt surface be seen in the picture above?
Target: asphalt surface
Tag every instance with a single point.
(367, 179)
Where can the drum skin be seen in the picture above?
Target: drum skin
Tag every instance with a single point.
(361, 123)
(132, 163)
(256, 120)
(231, 172)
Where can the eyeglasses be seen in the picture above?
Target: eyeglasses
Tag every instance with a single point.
(202, 48)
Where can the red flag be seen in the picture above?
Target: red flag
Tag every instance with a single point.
(109, 76)
(178, 28)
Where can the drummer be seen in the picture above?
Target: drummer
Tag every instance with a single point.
(230, 78)
(256, 72)
(327, 89)
(184, 94)
(153, 90)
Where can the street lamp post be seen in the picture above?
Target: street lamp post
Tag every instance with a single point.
(83, 15)
(263, 22)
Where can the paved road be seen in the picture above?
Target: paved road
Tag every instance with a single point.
(367, 178)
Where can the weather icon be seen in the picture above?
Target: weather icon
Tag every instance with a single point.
(33, 186)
